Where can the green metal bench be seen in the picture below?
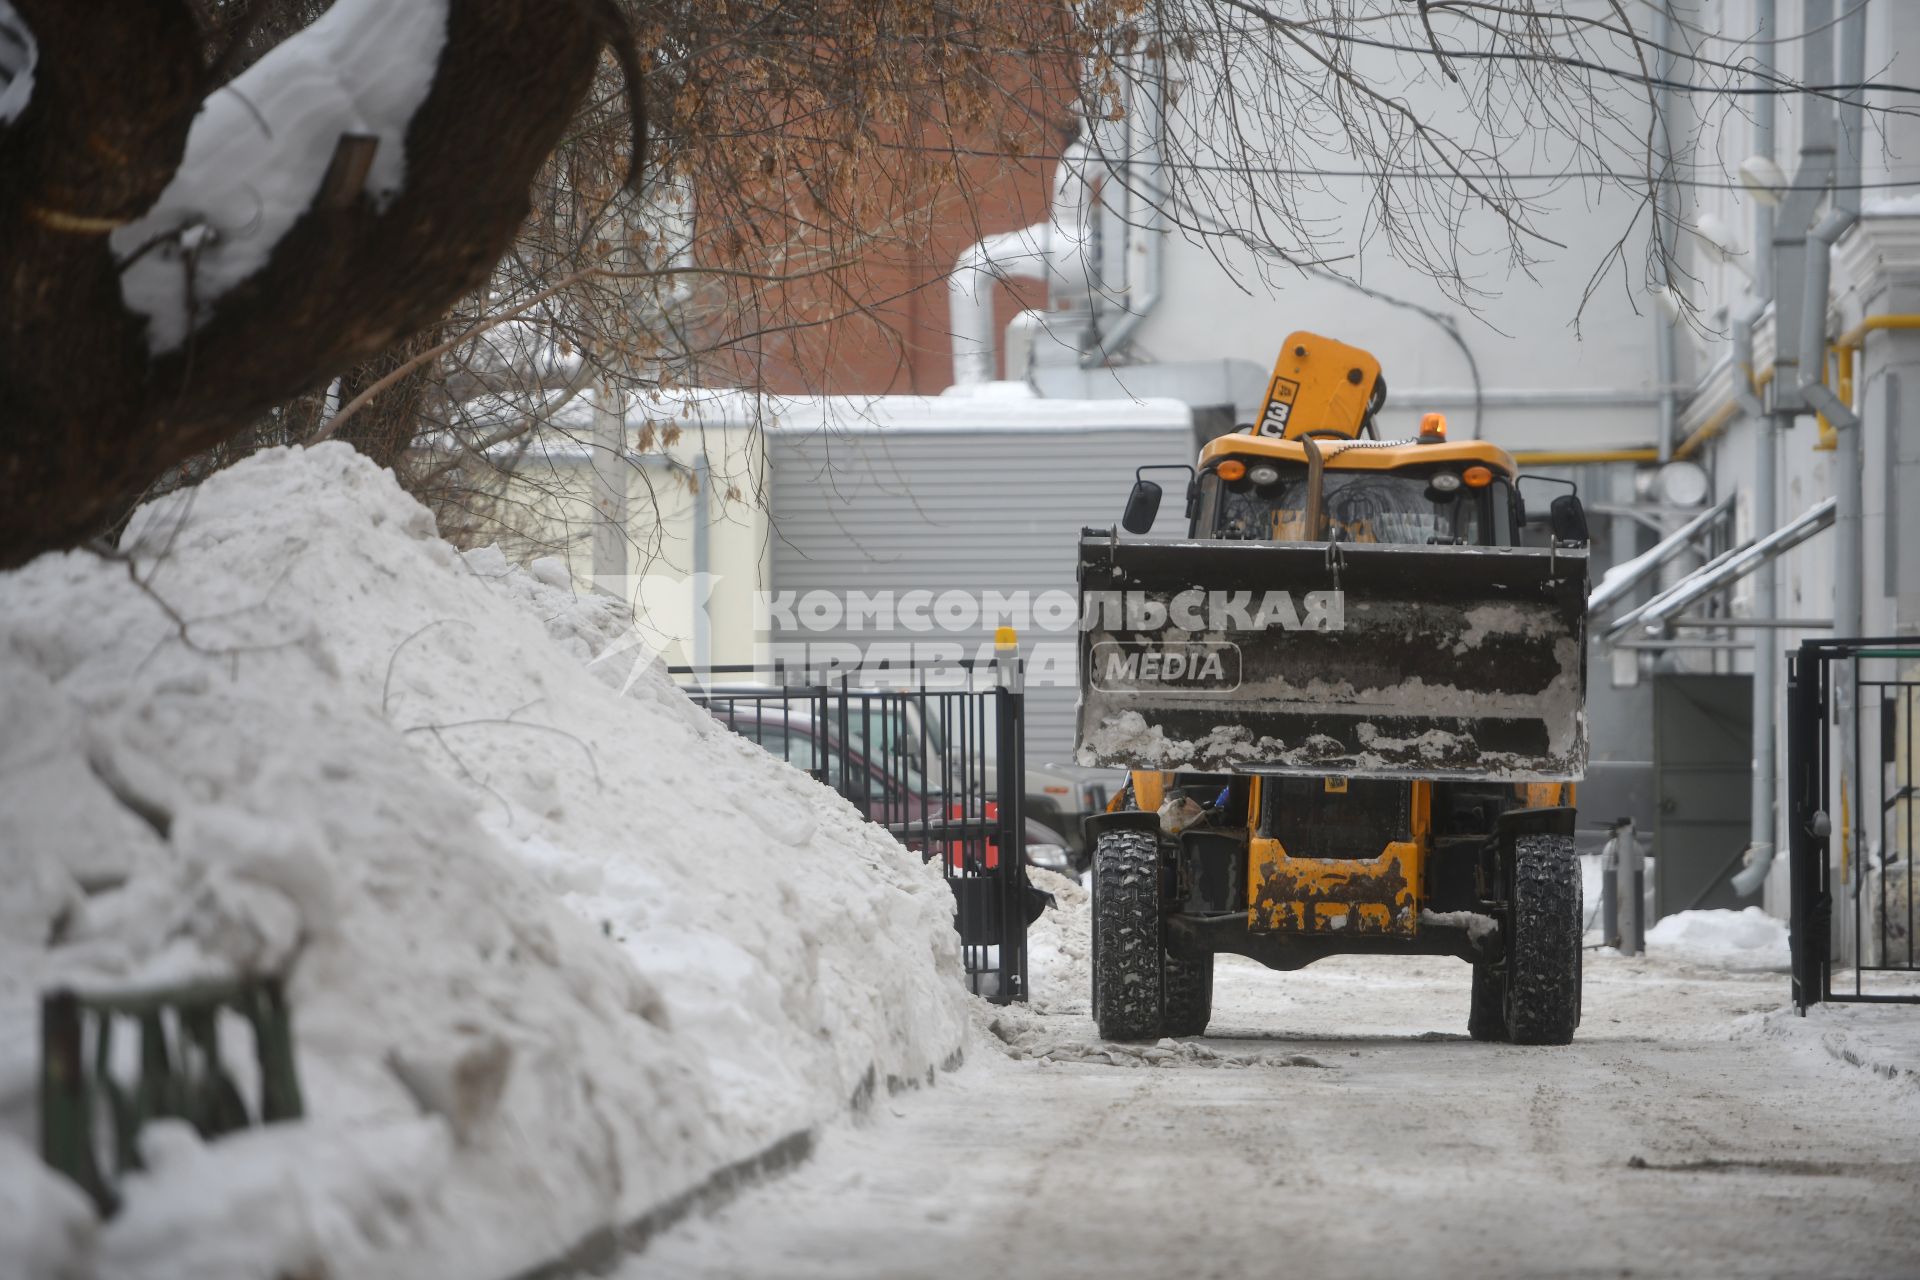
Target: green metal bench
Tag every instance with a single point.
(182, 1075)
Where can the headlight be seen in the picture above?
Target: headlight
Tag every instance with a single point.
(1263, 474)
(1445, 481)
(1050, 857)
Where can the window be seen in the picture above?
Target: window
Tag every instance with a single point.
(1361, 506)
(796, 748)
(797, 745)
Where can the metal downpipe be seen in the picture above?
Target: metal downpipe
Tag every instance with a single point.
(1763, 144)
(1762, 831)
(1847, 568)
(1766, 660)
(1145, 183)
(1848, 617)
(1664, 219)
(1788, 273)
(1844, 163)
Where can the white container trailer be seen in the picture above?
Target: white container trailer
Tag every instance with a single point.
(922, 523)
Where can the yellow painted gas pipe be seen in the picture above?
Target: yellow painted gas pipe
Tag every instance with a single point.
(1573, 457)
(1844, 346)
(1856, 337)
(1707, 430)
(1721, 417)
(1843, 387)
(1842, 351)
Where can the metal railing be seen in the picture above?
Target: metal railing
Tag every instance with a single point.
(935, 755)
(1853, 820)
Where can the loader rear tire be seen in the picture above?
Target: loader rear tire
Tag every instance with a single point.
(1543, 950)
(1187, 992)
(1127, 998)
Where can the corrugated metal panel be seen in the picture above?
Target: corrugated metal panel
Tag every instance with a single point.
(953, 511)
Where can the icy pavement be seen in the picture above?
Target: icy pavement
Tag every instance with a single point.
(1338, 1122)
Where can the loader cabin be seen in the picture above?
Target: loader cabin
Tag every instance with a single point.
(1257, 484)
(1423, 803)
(1428, 492)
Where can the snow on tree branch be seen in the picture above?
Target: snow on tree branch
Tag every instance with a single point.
(18, 53)
(261, 147)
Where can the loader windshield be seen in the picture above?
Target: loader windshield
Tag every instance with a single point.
(1362, 506)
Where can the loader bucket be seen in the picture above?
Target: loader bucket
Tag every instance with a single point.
(1355, 659)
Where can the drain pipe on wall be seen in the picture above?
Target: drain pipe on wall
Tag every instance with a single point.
(1763, 819)
(1766, 663)
(1664, 220)
(1845, 212)
(1846, 423)
(1762, 835)
(1145, 182)
(608, 536)
(1818, 148)
(702, 561)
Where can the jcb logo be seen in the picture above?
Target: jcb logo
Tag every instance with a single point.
(1280, 397)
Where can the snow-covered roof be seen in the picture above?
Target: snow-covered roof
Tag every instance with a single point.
(877, 414)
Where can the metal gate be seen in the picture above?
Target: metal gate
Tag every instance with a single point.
(937, 757)
(1851, 818)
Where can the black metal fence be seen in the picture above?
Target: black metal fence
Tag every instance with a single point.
(934, 753)
(1851, 816)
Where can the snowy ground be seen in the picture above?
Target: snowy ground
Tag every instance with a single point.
(560, 960)
(1338, 1122)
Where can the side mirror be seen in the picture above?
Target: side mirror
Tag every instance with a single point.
(1143, 504)
(1568, 520)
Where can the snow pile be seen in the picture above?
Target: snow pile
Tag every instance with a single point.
(1881, 1038)
(259, 150)
(1748, 939)
(555, 955)
(46, 1224)
(1060, 946)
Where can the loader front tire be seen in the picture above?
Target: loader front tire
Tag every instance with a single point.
(1187, 994)
(1128, 1003)
(1543, 948)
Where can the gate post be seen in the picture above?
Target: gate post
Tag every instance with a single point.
(1010, 753)
(1807, 851)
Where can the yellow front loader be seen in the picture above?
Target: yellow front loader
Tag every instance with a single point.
(1353, 707)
